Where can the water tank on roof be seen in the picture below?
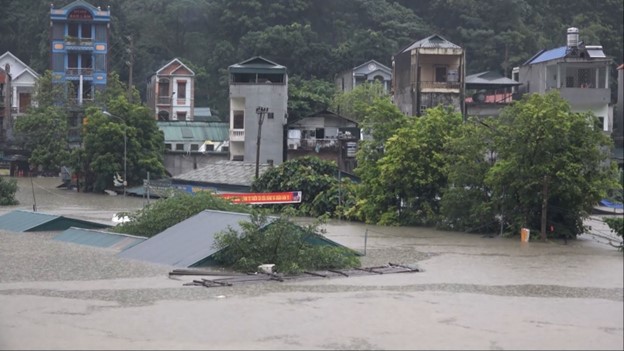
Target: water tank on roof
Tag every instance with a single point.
(573, 37)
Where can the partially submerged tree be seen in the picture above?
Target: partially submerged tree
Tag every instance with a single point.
(103, 145)
(310, 175)
(281, 242)
(172, 210)
(552, 165)
(8, 188)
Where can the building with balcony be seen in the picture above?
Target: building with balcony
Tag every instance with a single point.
(428, 73)
(487, 93)
(325, 135)
(578, 71)
(23, 80)
(367, 72)
(258, 106)
(170, 92)
(79, 34)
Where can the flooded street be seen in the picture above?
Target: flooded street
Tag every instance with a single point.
(475, 292)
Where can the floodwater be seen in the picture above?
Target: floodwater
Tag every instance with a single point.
(475, 292)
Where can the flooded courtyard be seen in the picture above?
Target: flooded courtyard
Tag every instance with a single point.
(475, 292)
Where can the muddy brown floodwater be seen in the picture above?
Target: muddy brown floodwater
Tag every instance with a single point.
(474, 292)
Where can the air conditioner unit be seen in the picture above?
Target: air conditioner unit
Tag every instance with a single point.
(292, 146)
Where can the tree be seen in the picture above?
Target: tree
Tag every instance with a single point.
(353, 104)
(169, 211)
(308, 96)
(310, 175)
(280, 242)
(381, 119)
(467, 203)
(412, 171)
(8, 188)
(43, 129)
(551, 166)
(616, 225)
(103, 145)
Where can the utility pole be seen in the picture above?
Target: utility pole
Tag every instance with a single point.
(130, 64)
(261, 111)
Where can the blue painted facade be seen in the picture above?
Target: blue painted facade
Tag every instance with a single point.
(79, 34)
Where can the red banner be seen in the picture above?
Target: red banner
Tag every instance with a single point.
(290, 197)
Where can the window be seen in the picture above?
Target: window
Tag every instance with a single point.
(270, 115)
(72, 61)
(569, 82)
(163, 87)
(601, 119)
(168, 146)
(181, 89)
(179, 147)
(583, 77)
(239, 120)
(86, 61)
(181, 116)
(440, 74)
(72, 30)
(85, 31)
(194, 147)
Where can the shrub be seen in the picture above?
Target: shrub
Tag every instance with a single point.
(8, 188)
(279, 242)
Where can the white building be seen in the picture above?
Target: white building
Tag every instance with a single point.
(23, 80)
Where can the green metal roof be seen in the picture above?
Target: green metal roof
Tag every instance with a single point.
(194, 131)
(99, 238)
(26, 221)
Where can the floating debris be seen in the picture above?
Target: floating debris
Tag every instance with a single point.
(230, 279)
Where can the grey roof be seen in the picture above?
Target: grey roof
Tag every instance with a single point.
(194, 131)
(379, 67)
(257, 64)
(224, 172)
(188, 242)
(432, 41)
(99, 238)
(489, 79)
(26, 221)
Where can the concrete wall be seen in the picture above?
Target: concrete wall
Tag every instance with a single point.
(275, 97)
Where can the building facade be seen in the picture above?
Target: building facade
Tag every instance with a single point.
(79, 34)
(258, 106)
(170, 92)
(23, 80)
(578, 71)
(428, 73)
(367, 72)
(325, 135)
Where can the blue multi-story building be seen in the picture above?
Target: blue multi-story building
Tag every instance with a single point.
(79, 35)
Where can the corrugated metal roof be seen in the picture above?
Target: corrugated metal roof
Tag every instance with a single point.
(194, 131)
(432, 41)
(26, 221)
(202, 111)
(190, 242)
(187, 242)
(257, 64)
(224, 172)
(488, 79)
(99, 238)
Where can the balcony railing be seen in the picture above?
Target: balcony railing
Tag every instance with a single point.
(73, 41)
(164, 100)
(237, 135)
(312, 144)
(424, 85)
(75, 72)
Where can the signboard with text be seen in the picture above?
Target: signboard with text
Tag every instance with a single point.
(290, 197)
